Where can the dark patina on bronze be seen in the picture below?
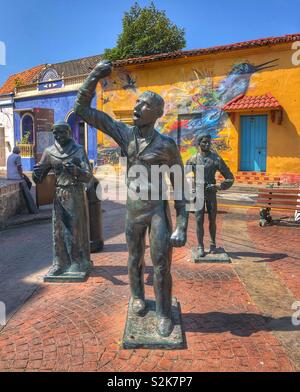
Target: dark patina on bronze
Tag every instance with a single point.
(71, 248)
(142, 145)
(212, 163)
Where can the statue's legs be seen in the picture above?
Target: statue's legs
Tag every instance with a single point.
(161, 255)
(135, 238)
(200, 225)
(211, 204)
(61, 259)
(79, 231)
(200, 231)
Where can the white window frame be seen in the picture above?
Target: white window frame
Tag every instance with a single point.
(22, 130)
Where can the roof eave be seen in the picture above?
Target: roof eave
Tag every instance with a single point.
(229, 110)
(262, 42)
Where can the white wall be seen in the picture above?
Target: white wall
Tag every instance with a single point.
(7, 121)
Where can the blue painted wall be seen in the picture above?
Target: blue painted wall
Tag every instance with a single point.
(62, 104)
(28, 163)
(92, 138)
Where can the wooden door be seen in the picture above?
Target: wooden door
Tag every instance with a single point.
(253, 153)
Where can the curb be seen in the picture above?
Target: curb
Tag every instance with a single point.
(23, 219)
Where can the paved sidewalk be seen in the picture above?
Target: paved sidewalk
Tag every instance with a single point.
(236, 317)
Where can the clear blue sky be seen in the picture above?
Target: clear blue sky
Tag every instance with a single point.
(49, 31)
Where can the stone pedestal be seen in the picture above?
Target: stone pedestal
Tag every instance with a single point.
(140, 332)
(67, 277)
(219, 257)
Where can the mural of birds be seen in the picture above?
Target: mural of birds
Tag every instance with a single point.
(130, 83)
(104, 83)
(237, 81)
(209, 116)
(105, 100)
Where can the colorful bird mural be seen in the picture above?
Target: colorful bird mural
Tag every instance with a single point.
(237, 81)
(206, 105)
(129, 83)
(200, 99)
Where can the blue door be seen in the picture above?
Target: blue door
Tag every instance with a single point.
(253, 143)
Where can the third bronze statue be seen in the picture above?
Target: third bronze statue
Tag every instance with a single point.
(212, 163)
(144, 146)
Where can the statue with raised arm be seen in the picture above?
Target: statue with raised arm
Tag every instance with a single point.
(71, 248)
(143, 147)
(212, 163)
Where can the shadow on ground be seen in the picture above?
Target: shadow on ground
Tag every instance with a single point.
(240, 324)
(112, 274)
(261, 257)
(26, 255)
(108, 248)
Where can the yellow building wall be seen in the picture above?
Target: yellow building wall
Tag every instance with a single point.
(187, 85)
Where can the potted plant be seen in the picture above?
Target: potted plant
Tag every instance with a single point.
(25, 145)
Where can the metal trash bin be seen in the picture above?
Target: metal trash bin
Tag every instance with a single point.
(95, 215)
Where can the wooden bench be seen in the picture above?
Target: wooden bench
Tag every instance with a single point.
(280, 198)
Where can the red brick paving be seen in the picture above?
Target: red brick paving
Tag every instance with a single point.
(79, 327)
(285, 242)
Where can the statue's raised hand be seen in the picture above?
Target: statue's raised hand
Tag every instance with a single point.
(102, 69)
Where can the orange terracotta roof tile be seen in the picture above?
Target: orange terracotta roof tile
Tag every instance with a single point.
(214, 49)
(266, 101)
(24, 77)
(30, 75)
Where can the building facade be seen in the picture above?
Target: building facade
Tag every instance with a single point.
(246, 95)
(6, 128)
(7, 135)
(48, 99)
(44, 98)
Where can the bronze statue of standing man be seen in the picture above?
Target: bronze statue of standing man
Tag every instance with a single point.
(71, 247)
(143, 146)
(212, 163)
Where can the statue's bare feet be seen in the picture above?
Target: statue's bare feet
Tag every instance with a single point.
(55, 270)
(138, 306)
(164, 326)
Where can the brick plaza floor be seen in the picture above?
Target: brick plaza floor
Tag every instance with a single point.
(236, 317)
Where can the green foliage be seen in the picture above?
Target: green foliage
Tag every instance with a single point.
(146, 31)
(25, 138)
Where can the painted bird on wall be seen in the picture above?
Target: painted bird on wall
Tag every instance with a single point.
(128, 82)
(237, 81)
(209, 116)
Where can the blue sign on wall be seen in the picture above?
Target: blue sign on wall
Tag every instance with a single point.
(49, 85)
